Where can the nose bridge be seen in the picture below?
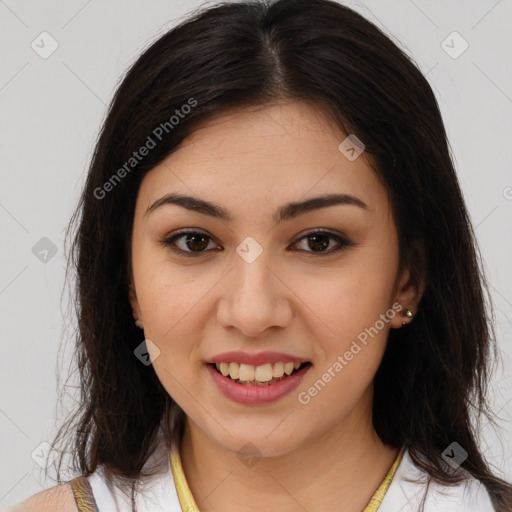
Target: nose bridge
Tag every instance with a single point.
(254, 277)
(254, 299)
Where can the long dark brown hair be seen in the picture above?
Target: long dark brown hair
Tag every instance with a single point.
(432, 383)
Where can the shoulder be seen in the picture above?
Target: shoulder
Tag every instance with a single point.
(59, 498)
(411, 485)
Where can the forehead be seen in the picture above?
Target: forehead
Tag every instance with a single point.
(283, 152)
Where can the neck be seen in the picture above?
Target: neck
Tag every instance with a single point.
(348, 463)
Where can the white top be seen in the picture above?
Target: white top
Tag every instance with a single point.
(161, 495)
(467, 496)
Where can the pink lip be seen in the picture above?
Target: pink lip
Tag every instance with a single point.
(256, 395)
(238, 356)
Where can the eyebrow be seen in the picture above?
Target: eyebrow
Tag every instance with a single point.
(285, 212)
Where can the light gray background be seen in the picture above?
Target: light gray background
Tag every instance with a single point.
(51, 111)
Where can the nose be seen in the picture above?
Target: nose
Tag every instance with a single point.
(255, 297)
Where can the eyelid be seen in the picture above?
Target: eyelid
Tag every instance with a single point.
(326, 231)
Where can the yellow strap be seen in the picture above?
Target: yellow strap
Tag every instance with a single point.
(84, 497)
(184, 495)
(379, 494)
(189, 505)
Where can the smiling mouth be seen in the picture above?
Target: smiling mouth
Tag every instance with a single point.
(263, 375)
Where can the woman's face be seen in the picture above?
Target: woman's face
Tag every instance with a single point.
(266, 279)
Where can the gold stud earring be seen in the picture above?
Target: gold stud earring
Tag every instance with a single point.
(408, 314)
(139, 324)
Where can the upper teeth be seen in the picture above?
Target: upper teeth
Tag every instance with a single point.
(263, 373)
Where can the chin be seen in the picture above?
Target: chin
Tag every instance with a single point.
(257, 442)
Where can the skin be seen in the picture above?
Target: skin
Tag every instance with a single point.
(300, 302)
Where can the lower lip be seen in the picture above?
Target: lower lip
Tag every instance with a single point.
(256, 395)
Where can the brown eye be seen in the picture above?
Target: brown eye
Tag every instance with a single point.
(190, 242)
(197, 242)
(319, 242)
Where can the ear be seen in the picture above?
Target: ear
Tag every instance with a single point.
(134, 304)
(410, 288)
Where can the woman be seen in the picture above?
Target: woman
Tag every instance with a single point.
(279, 297)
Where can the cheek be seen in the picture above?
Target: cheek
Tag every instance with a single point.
(171, 311)
(167, 301)
(170, 308)
(354, 297)
(349, 359)
(356, 306)
(167, 293)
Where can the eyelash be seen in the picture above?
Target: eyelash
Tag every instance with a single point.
(170, 242)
